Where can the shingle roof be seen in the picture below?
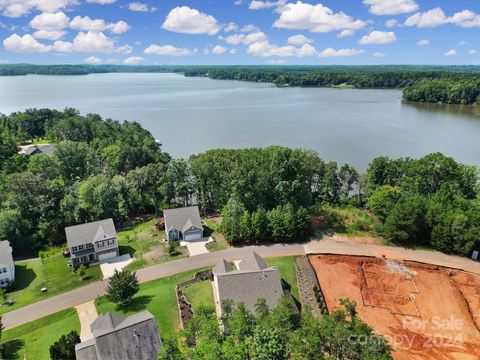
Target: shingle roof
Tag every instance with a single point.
(182, 219)
(5, 252)
(89, 232)
(46, 149)
(252, 281)
(111, 322)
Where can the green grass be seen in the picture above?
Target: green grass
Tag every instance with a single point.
(34, 339)
(53, 274)
(286, 266)
(145, 244)
(156, 296)
(213, 230)
(350, 221)
(200, 294)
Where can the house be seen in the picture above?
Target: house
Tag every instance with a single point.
(30, 150)
(183, 224)
(92, 242)
(7, 266)
(246, 280)
(118, 337)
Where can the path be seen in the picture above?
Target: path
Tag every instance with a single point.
(87, 314)
(328, 246)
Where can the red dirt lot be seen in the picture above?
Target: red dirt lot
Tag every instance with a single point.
(424, 311)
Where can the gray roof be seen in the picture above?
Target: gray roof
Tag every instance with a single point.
(46, 149)
(182, 219)
(111, 322)
(252, 281)
(90, 232)
(5, 252)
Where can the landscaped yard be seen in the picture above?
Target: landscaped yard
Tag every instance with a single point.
(33, 340)
(52, 273)
(286, 266)
(156, 296)
(145, 244)
(200, 294)
(213, 227)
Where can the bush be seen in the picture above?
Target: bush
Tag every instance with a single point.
(64, 348)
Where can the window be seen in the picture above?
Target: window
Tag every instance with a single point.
(4, 270)
(80, 247)
(89, 246)
(74, 249)
(7, 281)
(1, 282)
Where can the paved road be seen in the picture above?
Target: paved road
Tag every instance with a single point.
(328, 246)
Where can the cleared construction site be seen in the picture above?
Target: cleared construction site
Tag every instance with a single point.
(424, 311)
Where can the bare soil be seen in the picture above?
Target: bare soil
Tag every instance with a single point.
(424, 311)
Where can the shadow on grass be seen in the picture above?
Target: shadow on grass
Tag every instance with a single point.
(138, 303)
(12, 348)
(126, 249)
(23, 277)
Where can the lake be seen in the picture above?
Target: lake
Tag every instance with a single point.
(191, 115)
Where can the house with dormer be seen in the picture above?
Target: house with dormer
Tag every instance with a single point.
(92, 242)
(183, 224)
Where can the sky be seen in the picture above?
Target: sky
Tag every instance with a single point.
(231, 32)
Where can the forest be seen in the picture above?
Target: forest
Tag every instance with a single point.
(433, 84)
(103, 168)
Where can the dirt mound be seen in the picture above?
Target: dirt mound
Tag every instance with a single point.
(424, 311)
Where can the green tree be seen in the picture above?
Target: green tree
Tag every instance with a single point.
(170, 350)
(232, 214)
(383, 200)
(122, 287)
(266, 344)
(64, 348)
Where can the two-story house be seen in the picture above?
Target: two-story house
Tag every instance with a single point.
(92, 242)
(7, 266)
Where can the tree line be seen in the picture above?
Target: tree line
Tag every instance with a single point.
(281, 333)
(103, 168)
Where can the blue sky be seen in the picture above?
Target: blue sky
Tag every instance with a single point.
(240, 32)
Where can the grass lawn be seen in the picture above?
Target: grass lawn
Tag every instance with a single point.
(53, 274)
(34, 339)
(156, 296)
(145, 243)
(213, 230)
(200, 294)
(286, 266)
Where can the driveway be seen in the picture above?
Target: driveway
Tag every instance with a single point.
(87, 314)
(196, 247)
(90, 292)
(118, 263)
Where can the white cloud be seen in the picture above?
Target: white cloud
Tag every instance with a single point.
(265, 49)
(167, 50)
(315, 18)
(101, 2)
(345, 33)
(462, 43)
(423, 42)
(465, 19)
(391, 7)
(339, 53)
(93, 42)
(18, 8)
(431, 18)
(62, 46)
(236, 39)
(111, 61)
(92, 60)
(50, 21)
(24, 44)
(249, 28)
(378, 38)
(87, 24)
(276, 62)
(125, 49)
(391, 23)
(217, 50)
(379, 54)
(133, 60)
(472, 52)
(451, 52)
(233, 51)
(190, 21)
(260, 5)
(140, 7)
(299, 40)
(49, 34)
(230, 27)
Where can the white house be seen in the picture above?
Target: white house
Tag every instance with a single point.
(183, 224)
(7, 266)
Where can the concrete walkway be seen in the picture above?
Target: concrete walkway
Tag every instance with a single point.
(87, 314)
(328, 246)
(117, 263)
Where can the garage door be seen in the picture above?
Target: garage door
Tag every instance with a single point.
(193, 236)
(107, 256)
